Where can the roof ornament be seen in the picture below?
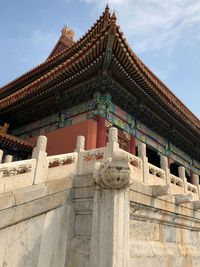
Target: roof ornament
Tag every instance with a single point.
(67, 32)
(113, 17)
(107, 8)
(106, 15)
(113, 24)
(4, 128)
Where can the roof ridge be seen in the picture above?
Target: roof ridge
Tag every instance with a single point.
(50, 60)
(49, 73)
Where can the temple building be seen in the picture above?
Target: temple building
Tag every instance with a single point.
(117, 182)
(86, 86)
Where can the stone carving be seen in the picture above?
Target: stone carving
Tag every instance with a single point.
(113, 135)
(192, 188)
(15, 170)
(80, 143)
(8, 158)
(144, 230)
(94, 156)
(156, 171)
(141, 149)
(114, 173)
(1, 155)
(135, 162)
(176, 180)
(60, 162)
(42, 143)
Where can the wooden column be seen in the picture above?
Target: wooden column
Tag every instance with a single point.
(101, 131)
(132, 145)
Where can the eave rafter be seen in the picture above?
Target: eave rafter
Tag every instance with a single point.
(102, 49)
(71, 68)
(53, 61)
(136, 68)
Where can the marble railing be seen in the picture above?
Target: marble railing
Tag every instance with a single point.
(42, 168)
(156, 176)
(16, 174)
(176, 184)
(193, 190)
(87, 160)
(63, 165)
(135, 166)
(176, 181)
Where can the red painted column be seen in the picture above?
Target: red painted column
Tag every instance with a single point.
(132, 145)
(101, 132)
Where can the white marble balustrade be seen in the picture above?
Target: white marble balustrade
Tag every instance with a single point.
(156, 176)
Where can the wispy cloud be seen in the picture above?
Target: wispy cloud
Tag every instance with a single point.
(40, 38)
(40, 44)
(156, 24)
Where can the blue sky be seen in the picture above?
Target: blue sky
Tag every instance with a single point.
(164, 34)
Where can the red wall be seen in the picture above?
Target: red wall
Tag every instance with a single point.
(64, 140)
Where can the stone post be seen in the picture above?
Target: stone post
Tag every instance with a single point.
(39, 153)
(195, 181)
(8, 158)
(111, 213)
(181, 172)
(142, 155)
(80, 143)
(165, 166)
(112, 144)
(1, 156)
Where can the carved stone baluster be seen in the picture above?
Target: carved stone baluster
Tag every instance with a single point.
(142, 155)
(195, 181)
(1, 155)
(39, 153)
(164, 166)
(112, 144)
(8, 158)
(181, 172)
(80, 143)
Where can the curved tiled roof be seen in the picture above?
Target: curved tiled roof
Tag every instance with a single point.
(52, 61)
(104, 35)
(15, 141)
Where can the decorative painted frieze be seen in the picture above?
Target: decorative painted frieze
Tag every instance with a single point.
(60, 162)
(93, 156)
(102, 102)
(15, 169)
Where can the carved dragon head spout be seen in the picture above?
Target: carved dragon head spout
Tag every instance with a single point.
(115, 172)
